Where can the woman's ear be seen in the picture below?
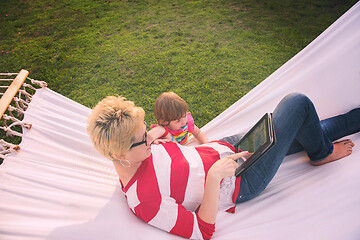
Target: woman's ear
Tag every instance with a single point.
(119, 157)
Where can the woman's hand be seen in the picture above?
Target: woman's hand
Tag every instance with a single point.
(226, 166)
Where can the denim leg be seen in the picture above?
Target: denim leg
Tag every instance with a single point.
(233, 140)
(335, 128)
(294, 118)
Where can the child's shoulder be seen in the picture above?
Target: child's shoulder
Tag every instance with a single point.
(190, 122)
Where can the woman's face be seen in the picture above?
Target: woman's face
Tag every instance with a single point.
(178, 124)
(140, 149)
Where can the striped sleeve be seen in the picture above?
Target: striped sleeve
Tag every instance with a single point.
(175, 219)
(171, 217)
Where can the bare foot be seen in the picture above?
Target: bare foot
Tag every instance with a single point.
(341, 150)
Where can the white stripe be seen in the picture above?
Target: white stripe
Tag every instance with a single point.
(167, 215)
(168, 212)
(194, 191)
(223, 150)
(227, 188)
(132, 197)
(162, 165)
(196, 234)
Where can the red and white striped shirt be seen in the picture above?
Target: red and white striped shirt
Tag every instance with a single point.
(168, 187)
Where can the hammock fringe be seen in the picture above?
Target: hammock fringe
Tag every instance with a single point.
(13, 104)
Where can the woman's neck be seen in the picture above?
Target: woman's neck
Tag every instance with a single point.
(125, 173)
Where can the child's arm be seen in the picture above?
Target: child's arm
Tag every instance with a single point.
(199, 135)
(156, 135)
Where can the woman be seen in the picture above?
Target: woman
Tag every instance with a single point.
(180, 189)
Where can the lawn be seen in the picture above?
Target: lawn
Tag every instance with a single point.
(209, 52)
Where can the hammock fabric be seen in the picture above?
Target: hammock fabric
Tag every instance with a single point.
(59, 187)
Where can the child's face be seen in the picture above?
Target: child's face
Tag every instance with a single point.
(177, 124)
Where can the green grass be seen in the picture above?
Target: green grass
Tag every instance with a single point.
(209, 52)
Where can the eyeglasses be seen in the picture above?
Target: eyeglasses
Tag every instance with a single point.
(142, 142)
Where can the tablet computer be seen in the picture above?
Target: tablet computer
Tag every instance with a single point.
(257, 141)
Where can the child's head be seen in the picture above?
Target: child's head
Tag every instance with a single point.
(169, 107)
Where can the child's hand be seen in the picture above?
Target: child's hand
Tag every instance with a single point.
(155, 135)
(160, 140)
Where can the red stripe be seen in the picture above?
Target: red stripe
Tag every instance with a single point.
(148, 191)
(206, 229)
(236, 193)
(179, 172)
(208, 156)
(237, 189)
(184, 223)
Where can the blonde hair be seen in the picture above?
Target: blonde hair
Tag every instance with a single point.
(169, 107)
(112, 125)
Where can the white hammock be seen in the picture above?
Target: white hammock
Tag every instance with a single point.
(58, 187)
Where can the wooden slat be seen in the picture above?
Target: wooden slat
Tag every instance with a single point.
(12, 90)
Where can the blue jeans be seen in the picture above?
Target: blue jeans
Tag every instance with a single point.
(297, 128)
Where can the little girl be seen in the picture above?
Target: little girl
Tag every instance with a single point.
(176, 122)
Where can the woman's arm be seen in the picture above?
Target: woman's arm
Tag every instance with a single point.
(225, 167)
(199, 135)
(166, 214)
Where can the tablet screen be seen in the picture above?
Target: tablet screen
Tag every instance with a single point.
(255, 138)
(259, 139)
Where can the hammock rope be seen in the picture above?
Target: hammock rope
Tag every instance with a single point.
(11, 119)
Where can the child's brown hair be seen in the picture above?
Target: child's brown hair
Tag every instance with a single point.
(169, 107)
